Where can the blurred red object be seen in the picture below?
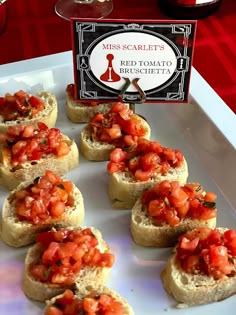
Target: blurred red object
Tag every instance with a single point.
(3, 15)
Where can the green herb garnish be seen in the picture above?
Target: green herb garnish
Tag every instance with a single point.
(46, 272)
(59, 263)
(28, 113)
(36, 180)
(198, 188)
(211, 205)
(27, 102)
(231, 260)
(61, 186)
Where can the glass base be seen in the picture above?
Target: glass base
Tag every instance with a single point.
(96, 9)
(191, 12)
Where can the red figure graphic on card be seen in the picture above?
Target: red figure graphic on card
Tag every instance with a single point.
(110, 75)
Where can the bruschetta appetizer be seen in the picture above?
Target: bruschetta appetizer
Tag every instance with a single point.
(132, 172)
(27, 151)
(203, 268)
(24, 108)
(79, 112)
(38, 206)
(168, 210)
(120, 127)
(89, 299)
(65, 256)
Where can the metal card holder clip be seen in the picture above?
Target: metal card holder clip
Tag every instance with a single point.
(141, 92)
(121, 96)
(123, 90)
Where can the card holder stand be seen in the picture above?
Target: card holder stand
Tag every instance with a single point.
(121, 96)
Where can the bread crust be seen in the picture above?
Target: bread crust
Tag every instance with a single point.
(47, 116)
(94, 150)
(27, 171)
(40, 291)
(19, 233)
(81, 113)
(189, 290)
(124, 191)
(85, 288)
(144, 232)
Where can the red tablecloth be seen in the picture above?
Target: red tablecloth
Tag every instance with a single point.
(33, 29)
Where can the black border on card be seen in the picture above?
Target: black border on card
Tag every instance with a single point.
(86, 34)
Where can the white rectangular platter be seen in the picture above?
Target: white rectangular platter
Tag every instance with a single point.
(205, 131)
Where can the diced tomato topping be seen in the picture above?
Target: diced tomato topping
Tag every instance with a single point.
(207, 251)
(168, 202)
(27, 143)
(120, 126)
(65, 252)
(144, 159)
(45, 199)
(20, 104)
(94, 303)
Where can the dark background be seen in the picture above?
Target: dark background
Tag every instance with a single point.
(34, 30)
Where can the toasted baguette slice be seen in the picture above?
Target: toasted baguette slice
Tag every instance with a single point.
(85, 288)
(124, 190)
(189, 289)
(27, 171)
(47, 116)
(18, 233)
(42, 291)
(146, 233)
(78, 112)
(100, 151)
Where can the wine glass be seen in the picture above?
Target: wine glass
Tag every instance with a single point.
(96, 9)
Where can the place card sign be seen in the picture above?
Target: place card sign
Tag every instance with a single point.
(133, 61)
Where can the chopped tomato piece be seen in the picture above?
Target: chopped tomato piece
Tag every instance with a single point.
(53, 310)
(117, 155)
(57, 208)
(190, 245)
(142, 176)
(149, 161)
(115, 167)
